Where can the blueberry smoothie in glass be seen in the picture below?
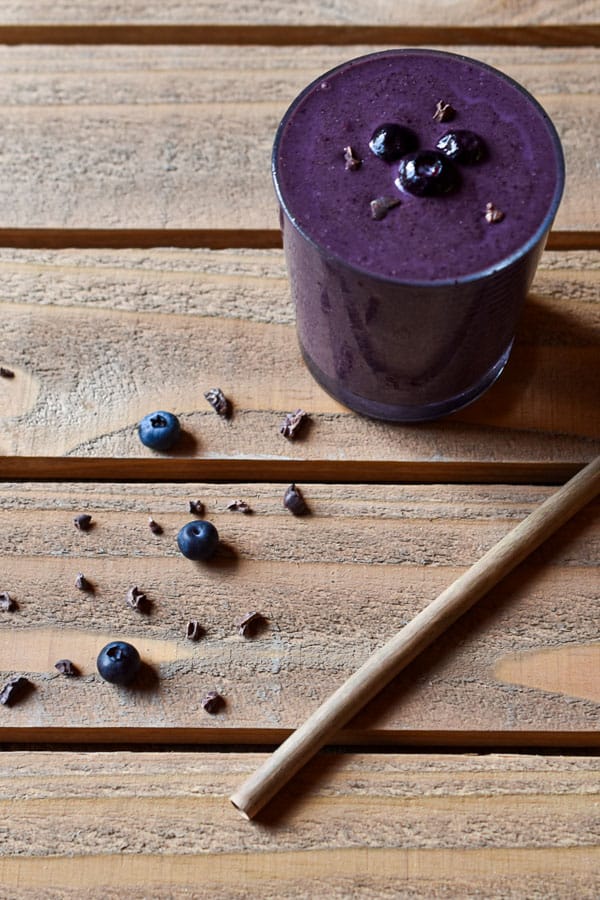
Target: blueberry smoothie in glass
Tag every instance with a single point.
(417, 189)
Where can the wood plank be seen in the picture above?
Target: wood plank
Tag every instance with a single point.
(288, 12)
(158, 137)
(91, 825)
(142, 321)
(332, 586)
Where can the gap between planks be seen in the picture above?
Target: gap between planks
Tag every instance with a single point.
(494, 827)
(247, 748)
(249, 740)
(221, 239)
(295, 35)
(178, 469)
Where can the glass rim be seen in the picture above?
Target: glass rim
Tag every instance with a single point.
(503, 263)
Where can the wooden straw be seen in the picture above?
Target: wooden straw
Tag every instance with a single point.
(386, 662)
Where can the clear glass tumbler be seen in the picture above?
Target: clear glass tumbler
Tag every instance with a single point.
(408, 292)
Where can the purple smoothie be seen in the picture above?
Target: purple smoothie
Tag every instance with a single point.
(412, 315)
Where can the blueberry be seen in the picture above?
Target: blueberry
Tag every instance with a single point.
(427, 173)
(118, 662)
(391, 141)
(159, 430)
(198, 540)
(464, 147)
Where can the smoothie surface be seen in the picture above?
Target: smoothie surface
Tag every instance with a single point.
(423, 239)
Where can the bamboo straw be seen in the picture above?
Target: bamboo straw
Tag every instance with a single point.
(386, 662)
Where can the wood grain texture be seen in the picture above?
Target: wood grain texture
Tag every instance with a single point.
(332, 585)
(408, 643)
(414, 826)
(107, 145)
(544, 669)
(180, 137)
(155, 329)
(288, 12)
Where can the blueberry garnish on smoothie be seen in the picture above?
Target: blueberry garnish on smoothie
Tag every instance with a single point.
(427, 173)
(423, 173)
(391, 141)
(462, 146)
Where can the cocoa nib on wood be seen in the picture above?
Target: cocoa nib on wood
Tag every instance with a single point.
(7, 604)
(219, 402)
(136, 598)
(82, 584)
(249, 624)
(66, 667)
(14, 690)
(239, 506)
(291, 423)
(194, 630)
(83, 522)
(212, 702)
(294, 501)
(154, 527)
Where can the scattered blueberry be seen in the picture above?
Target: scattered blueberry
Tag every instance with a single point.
(118, 662)
(159, 430)
(198, 540)
(391, 141)
(427, 173)
(462, 146)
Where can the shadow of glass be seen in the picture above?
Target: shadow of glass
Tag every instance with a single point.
(551, 379)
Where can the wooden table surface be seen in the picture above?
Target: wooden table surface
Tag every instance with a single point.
(140, 265)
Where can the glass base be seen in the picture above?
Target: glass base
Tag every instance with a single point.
(403, 413)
